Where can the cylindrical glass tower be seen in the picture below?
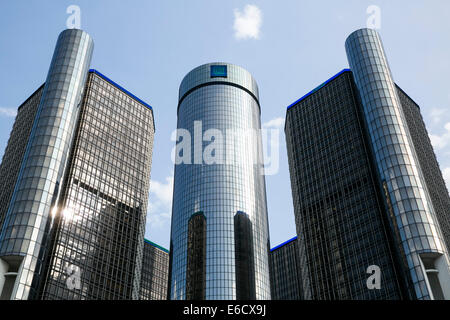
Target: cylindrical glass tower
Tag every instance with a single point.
(414, 222)
(220, 237)
(26, 224)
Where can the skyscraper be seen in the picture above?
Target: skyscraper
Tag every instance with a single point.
(15, 149)
(100, 221)
(406, 193)
(428, 162)
(155, 271)
(362, 204)
(219, 238)
(285, 273)
(338, 216)
(74, 214)
(42, 168)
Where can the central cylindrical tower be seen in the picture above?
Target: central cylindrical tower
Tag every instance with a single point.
(220, 237)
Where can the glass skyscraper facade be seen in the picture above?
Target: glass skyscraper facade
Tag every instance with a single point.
(338, 215)
(421, 240)
(99, 225)
(219, 198)
(430, 167)
(37, 187)
(155, 272)
(90, 144)
(360, 197)
(285, 273)
(15, 149)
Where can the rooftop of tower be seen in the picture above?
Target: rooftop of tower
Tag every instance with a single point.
(120, 88)
(156, 245)
(101, 75)
(283, 244)
(331, 79)
(218, 73)
(318, 87)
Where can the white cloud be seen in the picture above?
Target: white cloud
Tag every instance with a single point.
(274, 123)
(159, 209)
(441, 141)
(446, 174)
(9, 112)
(436, 114)
(157, 220)
(163, 191)
(247, 25)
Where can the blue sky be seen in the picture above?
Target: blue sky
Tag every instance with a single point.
(290, 47)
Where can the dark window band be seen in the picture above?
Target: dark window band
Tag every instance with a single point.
(216, 83)
(196, 258)
(244, 257)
